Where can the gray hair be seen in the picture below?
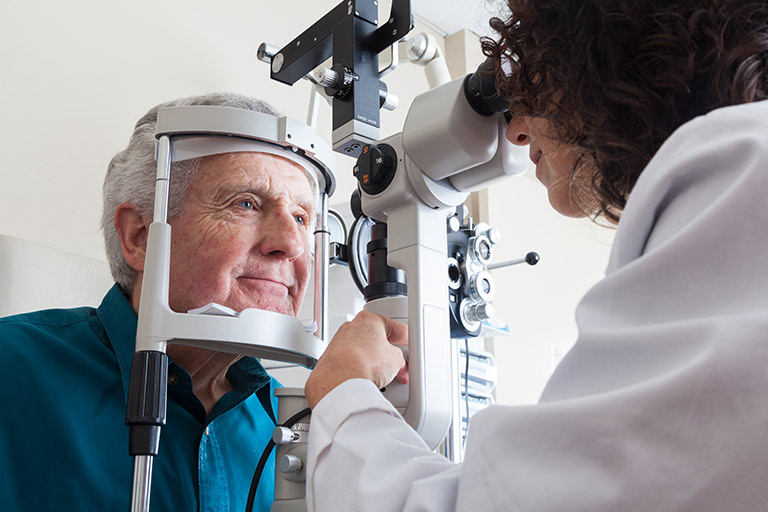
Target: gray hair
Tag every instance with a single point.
(131, 175)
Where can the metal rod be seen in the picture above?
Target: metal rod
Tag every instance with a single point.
(531, 258)
(314, 107)
(163, 177)
(322, 237)
(506, 263)
(142, 478)
(454, 449)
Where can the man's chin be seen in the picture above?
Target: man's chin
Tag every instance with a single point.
(262, 294)
(273, 305)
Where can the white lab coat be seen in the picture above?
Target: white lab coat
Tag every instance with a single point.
(662, 404)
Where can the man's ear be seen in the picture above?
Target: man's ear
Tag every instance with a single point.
(133, 231)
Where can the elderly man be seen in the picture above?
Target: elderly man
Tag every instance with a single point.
(240, 237)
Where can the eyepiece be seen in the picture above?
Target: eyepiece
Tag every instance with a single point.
(480, 90)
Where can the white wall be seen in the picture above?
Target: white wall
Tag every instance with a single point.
(78, 74)
(538, 302)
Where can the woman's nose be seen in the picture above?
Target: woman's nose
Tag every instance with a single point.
(518, 132)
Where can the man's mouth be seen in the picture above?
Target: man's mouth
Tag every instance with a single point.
(265, 284)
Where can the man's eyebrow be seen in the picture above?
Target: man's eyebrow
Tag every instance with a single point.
(308, 206)
(226, 191)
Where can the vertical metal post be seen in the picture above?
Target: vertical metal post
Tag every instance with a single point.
(162, 180)
(454, 446)
(142, 479)
(150, 393)
(322, 238)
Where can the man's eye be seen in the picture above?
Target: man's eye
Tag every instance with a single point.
(301, 219)
(247, 204)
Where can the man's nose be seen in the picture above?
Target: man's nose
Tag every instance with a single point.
(284, 236)
(518, 132)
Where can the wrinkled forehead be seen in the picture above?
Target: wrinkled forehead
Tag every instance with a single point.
(187, 148)
(225, 174)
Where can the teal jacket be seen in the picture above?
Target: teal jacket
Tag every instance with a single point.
(63, 440)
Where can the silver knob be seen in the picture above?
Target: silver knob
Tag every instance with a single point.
(480, 312)
(390, 102)
(328, 78)
(416, 47)
(277, 62)
(290, 464)
(266, 51)
(284, 435)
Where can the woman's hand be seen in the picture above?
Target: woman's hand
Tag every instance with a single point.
(361, 349)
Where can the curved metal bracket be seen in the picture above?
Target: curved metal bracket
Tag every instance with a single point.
(395, 60)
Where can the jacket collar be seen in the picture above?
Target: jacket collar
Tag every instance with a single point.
(119, 320)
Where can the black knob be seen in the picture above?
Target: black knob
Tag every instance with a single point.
(338, 82)
(375, 168)
(532, 258)
(383, 280)
(356, 204)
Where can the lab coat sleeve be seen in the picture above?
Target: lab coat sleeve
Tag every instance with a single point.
(363, 456)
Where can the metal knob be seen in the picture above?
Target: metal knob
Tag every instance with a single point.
(290, 464)
(284, 435)
(416, 47)
(328, 78)
(266, 51)
(473, 313)
(480, 312)
(390, 102)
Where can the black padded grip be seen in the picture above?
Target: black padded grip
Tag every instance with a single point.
(147, 401)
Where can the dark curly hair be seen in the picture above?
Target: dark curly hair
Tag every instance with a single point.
(617, 77)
